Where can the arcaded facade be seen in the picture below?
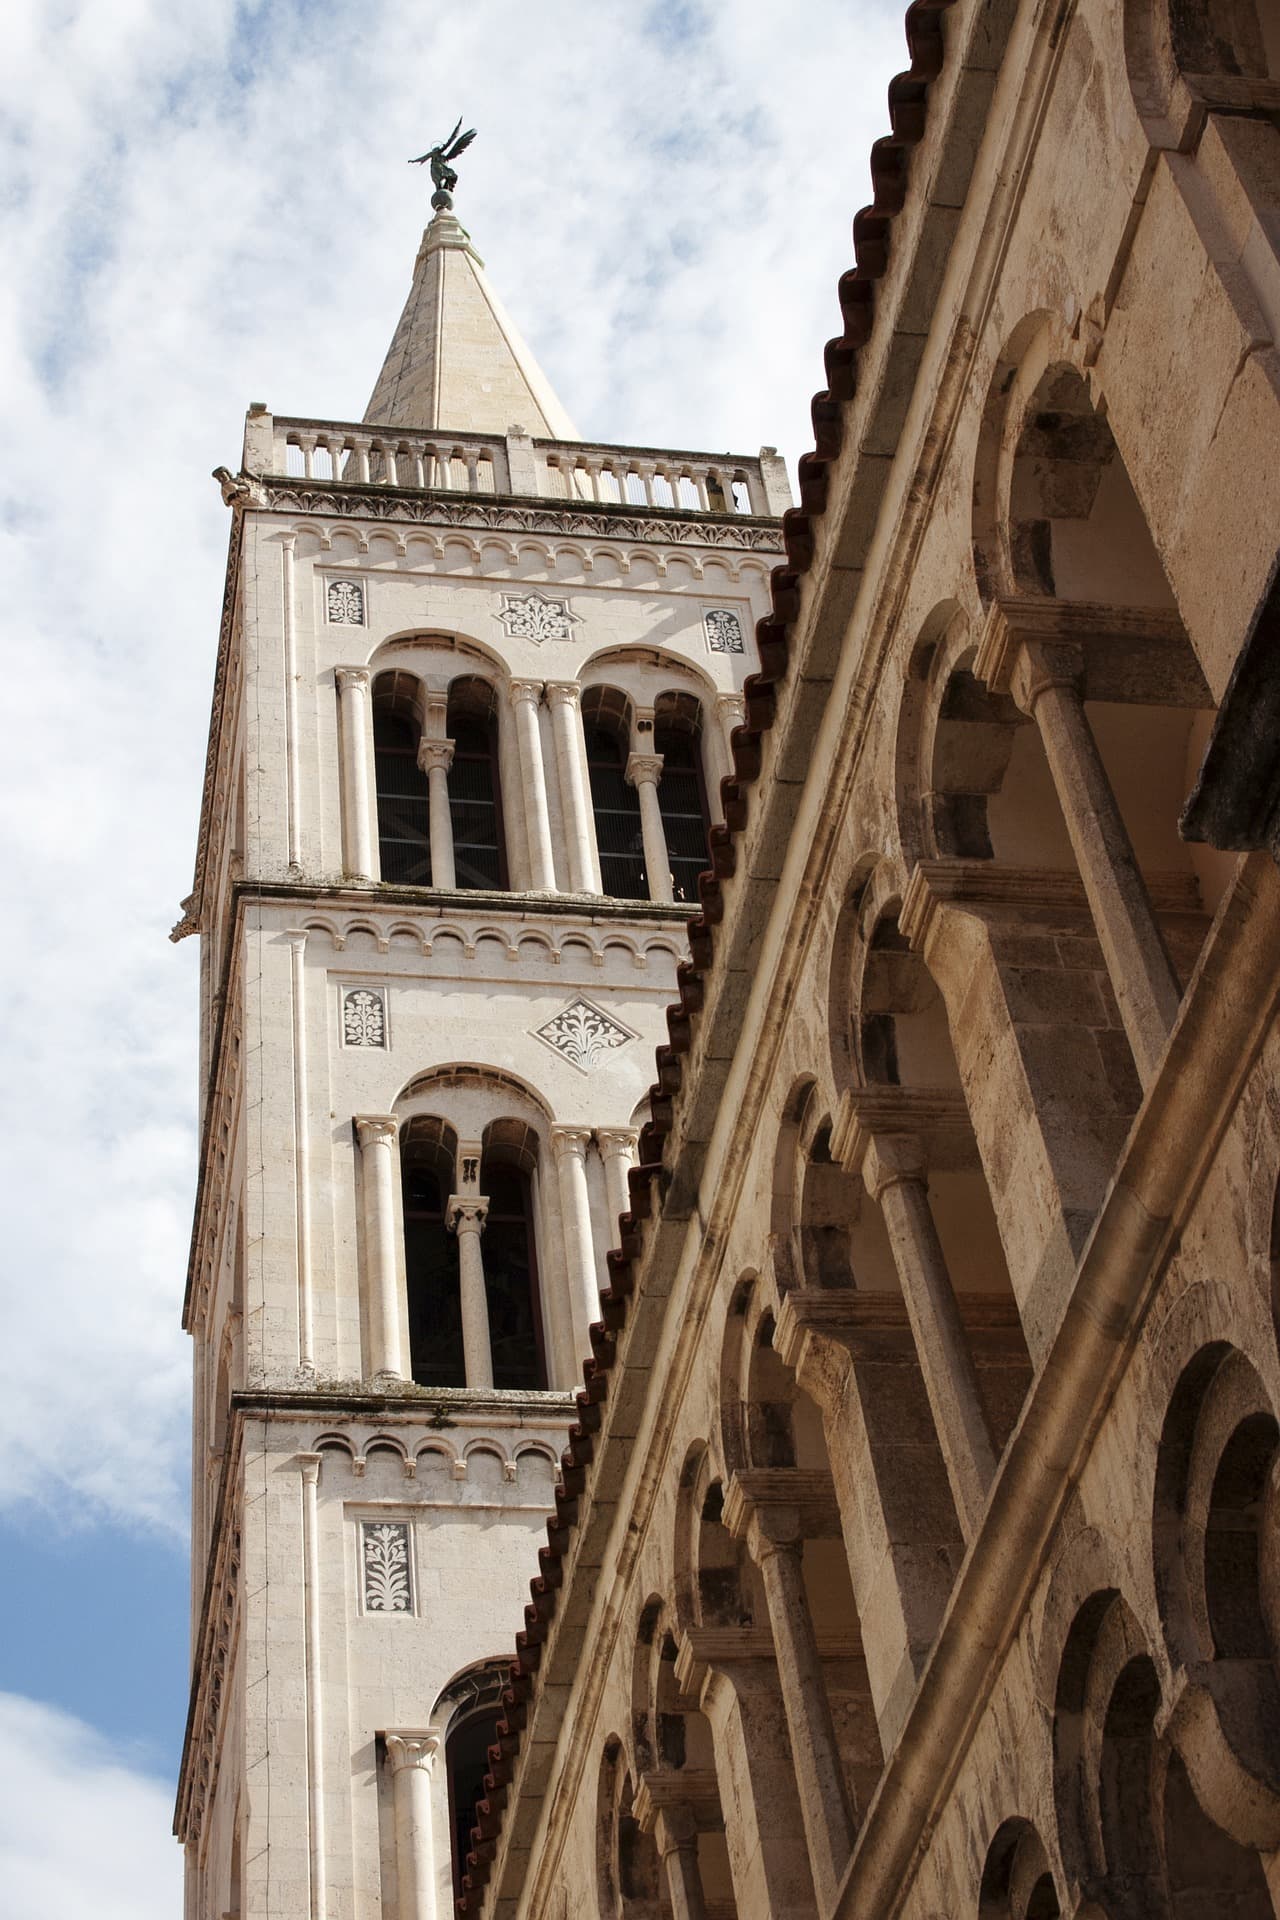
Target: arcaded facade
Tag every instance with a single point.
(915, 1548)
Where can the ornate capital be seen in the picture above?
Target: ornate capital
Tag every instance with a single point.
(731, 707)
(563, 693)
(376, 1129)
(523, 691)
(890, 1158)
(619, 1141)
(416, 1750)
(466, 1213)
(355, 679)
(570, 1140)
(644, 769)
(435, 753)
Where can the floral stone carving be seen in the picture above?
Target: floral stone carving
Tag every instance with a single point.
(384, 1561)
(345, 603)
(582, 1034)
(364, 1018)
(723, 629)
(537, 617)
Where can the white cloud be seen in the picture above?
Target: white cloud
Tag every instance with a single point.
(211, 205)
(80, 1830)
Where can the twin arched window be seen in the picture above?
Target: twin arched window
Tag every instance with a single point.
(403, 789)
(508, 1250)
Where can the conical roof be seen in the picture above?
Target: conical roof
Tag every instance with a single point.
(456, 362)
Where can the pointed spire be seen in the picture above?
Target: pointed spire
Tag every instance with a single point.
(456, 361)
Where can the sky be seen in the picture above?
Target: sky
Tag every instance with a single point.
(204, 205)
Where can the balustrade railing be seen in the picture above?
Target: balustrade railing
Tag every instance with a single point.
(514, 464)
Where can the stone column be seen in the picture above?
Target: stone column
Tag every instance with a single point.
(571, 753)
(533, 780)
(895, 1174)
(357, 788)
(435, 757)
(569, 1145)
(775, 1539)
(675, 1832)
(644, 770)
(1046, 678)
(410, 1757)
(731, 712)
(618, 1151)
(377, 1136)
(465, 1217)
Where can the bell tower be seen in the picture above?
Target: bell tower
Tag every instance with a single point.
(475, 684)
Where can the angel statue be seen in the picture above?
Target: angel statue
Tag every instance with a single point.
(443, 176)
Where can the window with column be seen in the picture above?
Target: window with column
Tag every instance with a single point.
(614, 801)
(404, 835)
(682, 791)
(475, 788)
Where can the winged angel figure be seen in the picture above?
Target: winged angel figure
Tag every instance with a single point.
(443, 177)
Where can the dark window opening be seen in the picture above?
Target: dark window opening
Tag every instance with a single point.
(682, 794)
(475, 789)
(616, 807)
(466, 1764)
(404, 835)
(511, 1279)
(431, 1268)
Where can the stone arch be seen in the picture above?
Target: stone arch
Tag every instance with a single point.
(1217, 1573)
(628, 1879)
(1017, 1880)
(840, 975)
(939, 638)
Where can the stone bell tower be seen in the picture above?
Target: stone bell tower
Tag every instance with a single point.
(475, 684)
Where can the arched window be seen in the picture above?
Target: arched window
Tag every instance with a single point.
(682, 793)
(472, 1731)
(427, 1159)
(404, 839)
(475, 791)
(510, 1259)
(615, 804)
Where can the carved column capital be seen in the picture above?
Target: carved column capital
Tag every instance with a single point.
(356, 679)
(890, 1158)
(466, 1213)
(525, 692)
(643, 769)
(570, 1141)
(563, 693)
(412, 1750)
(617, 1140)
(435, 753)
(376, 1129)
(732, 708)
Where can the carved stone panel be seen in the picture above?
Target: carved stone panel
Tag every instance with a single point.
(386, 1566)
(537, 617)
(723, 629)
(582, 1034)
(344, 603)
(364, 1017)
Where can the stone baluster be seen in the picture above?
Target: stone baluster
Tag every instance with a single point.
(435, 757)
(411, 1757)
(775, 1536)
(336, 449)
(700, 485)
(618, 1151)
(525, 695)
(308, 444)
(563, 698)
(473, 471)
(362, 460)
(419, 469)
(377, 1137)
(355, 721)
(644, 770)
(465, 1216)
(895, 1172)
(569, 1147)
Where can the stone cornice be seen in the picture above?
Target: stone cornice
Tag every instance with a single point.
(509, 513)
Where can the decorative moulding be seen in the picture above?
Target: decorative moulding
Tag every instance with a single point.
(583, 1033)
